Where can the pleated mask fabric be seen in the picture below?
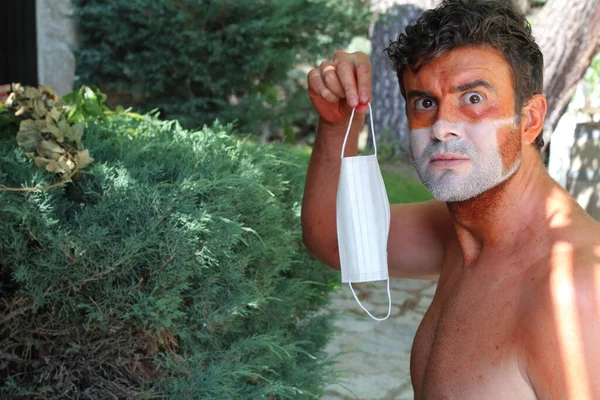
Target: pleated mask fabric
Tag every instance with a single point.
(363, 219)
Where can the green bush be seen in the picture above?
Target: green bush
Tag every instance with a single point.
(199, 60)
(400, 187)
(172, 267)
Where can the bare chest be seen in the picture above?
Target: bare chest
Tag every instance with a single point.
(468, 344)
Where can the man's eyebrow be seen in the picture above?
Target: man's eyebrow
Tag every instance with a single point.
(419, 93)
(472, 85)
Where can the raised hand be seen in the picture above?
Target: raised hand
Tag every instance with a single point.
(339, 85)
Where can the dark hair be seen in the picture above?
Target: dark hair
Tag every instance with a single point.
(462, 23)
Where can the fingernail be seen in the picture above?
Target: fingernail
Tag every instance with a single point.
(364, 98)
(353, 101)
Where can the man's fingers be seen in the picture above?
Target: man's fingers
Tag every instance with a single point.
(331, 80)
(317, 86)
(339, 85)
(363, 75)
(345, 72)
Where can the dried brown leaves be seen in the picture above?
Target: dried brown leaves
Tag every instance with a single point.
(45, 133)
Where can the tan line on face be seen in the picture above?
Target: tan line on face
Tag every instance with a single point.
(485, 169)
(483, 125)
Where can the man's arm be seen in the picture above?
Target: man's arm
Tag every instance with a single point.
(319, 201)
(418, 232)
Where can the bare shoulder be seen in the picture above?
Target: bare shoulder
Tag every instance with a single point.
(560, 331)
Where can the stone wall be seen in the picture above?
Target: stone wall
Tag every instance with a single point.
(56, 39)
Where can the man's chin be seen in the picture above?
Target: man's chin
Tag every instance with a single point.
(452, 196)
(447, 188)
(453, 186)
(464, 191)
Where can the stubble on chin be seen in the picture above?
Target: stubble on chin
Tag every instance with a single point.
(454, 185)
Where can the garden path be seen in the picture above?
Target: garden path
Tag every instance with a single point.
(375, 355)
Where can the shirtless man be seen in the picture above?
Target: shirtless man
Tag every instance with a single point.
(516, 314)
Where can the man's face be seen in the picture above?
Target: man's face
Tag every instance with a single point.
(464, 135)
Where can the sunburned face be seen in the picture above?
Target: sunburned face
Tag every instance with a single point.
(464, 136)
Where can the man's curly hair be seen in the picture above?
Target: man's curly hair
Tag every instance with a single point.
(463, 23)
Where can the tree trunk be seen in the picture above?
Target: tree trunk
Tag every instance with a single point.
(389, 114)
(522, 5)
(568, 33)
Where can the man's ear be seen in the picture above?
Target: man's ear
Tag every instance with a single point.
(532, 118)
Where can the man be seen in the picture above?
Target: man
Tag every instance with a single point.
(516, 314)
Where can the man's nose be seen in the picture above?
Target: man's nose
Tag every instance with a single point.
(444, 130)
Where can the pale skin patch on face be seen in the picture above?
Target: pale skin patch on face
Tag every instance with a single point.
(478, 142)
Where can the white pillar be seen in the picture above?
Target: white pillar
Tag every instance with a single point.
(56, 42)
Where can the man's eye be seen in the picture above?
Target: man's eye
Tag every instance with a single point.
(424, 104)
(473, 98)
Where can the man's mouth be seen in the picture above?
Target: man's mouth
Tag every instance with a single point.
(447, 160)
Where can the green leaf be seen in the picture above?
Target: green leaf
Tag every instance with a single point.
(75, 114)
(72, 98)
(29, 136)
(89, 94)
(93, 108)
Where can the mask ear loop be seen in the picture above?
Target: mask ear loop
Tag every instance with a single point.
(367, 311)
(388, 279)
(350, 126)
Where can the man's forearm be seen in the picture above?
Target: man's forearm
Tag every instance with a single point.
(319, 202)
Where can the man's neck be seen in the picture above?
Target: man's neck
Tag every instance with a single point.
(508, 216)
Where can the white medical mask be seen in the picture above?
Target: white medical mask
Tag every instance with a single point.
(363, 220)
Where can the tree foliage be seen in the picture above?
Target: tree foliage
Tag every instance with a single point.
(172, 267)
(198, 60)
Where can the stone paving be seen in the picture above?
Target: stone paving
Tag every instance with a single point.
(374, 356)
